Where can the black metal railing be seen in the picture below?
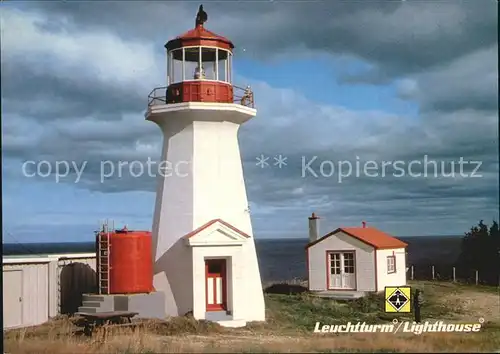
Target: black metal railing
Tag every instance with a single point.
(242, 96)
(158, 96)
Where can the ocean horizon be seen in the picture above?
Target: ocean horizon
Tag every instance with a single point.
(282, 259)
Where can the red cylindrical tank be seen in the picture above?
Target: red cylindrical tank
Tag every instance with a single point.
(130, 262)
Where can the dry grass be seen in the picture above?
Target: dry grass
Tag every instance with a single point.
(291, 319)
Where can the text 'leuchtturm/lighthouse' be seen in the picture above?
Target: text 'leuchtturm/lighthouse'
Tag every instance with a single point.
(203, 245)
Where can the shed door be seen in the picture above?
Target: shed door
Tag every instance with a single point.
(12, 298)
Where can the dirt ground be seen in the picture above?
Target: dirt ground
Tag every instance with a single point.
(467, 303)
(474, 305)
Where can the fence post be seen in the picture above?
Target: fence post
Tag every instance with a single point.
(477, 277)
(412, 274)
(454, 278)
(433, 277)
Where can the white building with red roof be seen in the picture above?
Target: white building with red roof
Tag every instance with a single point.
(355, 260)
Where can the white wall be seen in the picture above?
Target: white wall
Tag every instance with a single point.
(394, 279)
(218, 184)
(365, 261)
(255, 306)
(173, 276)
(174, 193)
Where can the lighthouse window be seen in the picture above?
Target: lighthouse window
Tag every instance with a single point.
(230, 68)
(199, 63)
(208, 62)
(222, 65)
(176, 66)
(191, 64)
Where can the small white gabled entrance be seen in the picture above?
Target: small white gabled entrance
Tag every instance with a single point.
(341, 270)
(218, 262)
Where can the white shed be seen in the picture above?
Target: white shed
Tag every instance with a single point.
(26, 287)
(357, 259)
(36, 288)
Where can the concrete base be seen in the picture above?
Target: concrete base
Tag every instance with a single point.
(150, 305)
(340, 295)
(232, 323)
(224, 319)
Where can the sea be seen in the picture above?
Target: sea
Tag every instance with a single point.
(284, 259)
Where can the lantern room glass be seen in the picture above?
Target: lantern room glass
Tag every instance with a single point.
(199, 63)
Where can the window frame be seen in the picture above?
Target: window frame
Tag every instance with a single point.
(393, 270)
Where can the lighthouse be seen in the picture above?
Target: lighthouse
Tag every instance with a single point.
(203, 246)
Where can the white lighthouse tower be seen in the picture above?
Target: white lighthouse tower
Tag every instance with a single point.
(203, 245)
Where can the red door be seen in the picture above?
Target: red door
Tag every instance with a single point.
(215, 279)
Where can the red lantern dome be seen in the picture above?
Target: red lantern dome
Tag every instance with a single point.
(199, 69)
(199, 36)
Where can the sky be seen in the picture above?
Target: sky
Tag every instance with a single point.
(406, 83)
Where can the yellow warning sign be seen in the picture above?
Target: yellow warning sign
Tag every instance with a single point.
(398, 299)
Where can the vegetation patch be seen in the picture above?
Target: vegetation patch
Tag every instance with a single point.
(291, 319)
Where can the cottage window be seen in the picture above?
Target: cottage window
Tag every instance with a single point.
(349, 263)
(391, 264)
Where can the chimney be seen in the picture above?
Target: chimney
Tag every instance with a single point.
(313, 228)
(364, 224)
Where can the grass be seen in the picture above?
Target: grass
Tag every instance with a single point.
(291, 318)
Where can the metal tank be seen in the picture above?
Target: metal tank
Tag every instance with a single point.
(124, 262)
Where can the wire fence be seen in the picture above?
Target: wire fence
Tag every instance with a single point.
(445, 273)
(454, 274)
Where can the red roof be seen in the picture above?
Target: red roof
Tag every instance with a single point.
(369, 235)
(198, 36)
(201, 32)
(203, 227)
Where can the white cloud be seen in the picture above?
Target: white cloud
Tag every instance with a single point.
(99, 54)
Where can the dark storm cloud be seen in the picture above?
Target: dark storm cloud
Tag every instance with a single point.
(388, 35)
(71, 97)
(470, 82)
(417, 182)
(424, 191)
(384, 199)
(399, 37)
